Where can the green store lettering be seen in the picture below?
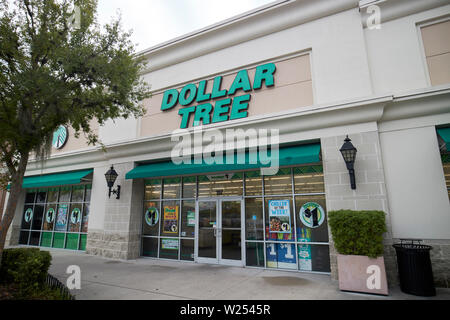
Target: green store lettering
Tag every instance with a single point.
(227, 106)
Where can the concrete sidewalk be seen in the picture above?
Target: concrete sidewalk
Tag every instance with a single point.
(149, 279)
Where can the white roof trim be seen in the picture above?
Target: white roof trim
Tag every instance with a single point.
(214, 26)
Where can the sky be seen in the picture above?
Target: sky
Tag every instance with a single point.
(157, 21)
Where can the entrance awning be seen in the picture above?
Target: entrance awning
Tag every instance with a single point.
(55, 179)
(444, 133)
(294, 155)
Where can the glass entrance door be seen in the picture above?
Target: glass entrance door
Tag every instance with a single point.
(220, 232)
(207, 230)
(231, 232)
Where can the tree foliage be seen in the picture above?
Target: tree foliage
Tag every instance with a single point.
(58, 66)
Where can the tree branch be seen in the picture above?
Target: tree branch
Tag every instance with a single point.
(7, 159)
(30, 13)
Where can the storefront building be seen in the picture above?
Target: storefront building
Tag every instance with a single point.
(299, 74)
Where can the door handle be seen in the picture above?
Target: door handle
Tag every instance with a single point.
(217, 231)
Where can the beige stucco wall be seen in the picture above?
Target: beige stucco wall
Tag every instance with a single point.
(293, 89)
(436, 42)
(415, 184)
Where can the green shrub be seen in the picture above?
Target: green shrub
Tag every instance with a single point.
(26, 268)
(358, 232)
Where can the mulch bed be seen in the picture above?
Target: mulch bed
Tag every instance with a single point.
(7, 292)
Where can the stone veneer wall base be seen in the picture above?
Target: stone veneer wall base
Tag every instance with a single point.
(123, 246)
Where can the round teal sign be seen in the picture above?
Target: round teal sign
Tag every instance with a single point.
(60, 137)
(75, 216)
(50, 215)
(151, 216)
(312, 215)
(28, 215)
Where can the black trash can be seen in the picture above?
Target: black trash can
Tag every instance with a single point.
(414, 268)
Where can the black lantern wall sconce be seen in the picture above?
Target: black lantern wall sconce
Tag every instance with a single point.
(348, 152)
(111, 176)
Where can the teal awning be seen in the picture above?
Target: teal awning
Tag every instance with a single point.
(55, 179)
(294, 155)
(444, 133)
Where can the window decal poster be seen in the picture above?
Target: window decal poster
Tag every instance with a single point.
(304, 250)
(281, 255)
(286, 256)
(191, 219)
(279, 216)
(169, 244)
(28, 215)
(271, 255)
(50, 215)
(151, 216)
(312, 215)
(75, 216)
(170, 219)
(61, 220)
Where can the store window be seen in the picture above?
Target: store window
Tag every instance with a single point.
(169, 248)
(254, 254)
(56, 217)
(187, 249)
(308, 180)
(170, 214)
(254, 222)
(188, 219)
(151, 218)
(153, 189)
(285, 216)
(295, 234)
(311, 222)
(172, 188)
(280, 233)
(150, 247)
(168, 226)
(253, 183)
(221, 185)
(189, 187)
(281, 183)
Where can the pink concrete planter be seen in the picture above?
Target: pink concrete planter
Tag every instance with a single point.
(362, 274)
